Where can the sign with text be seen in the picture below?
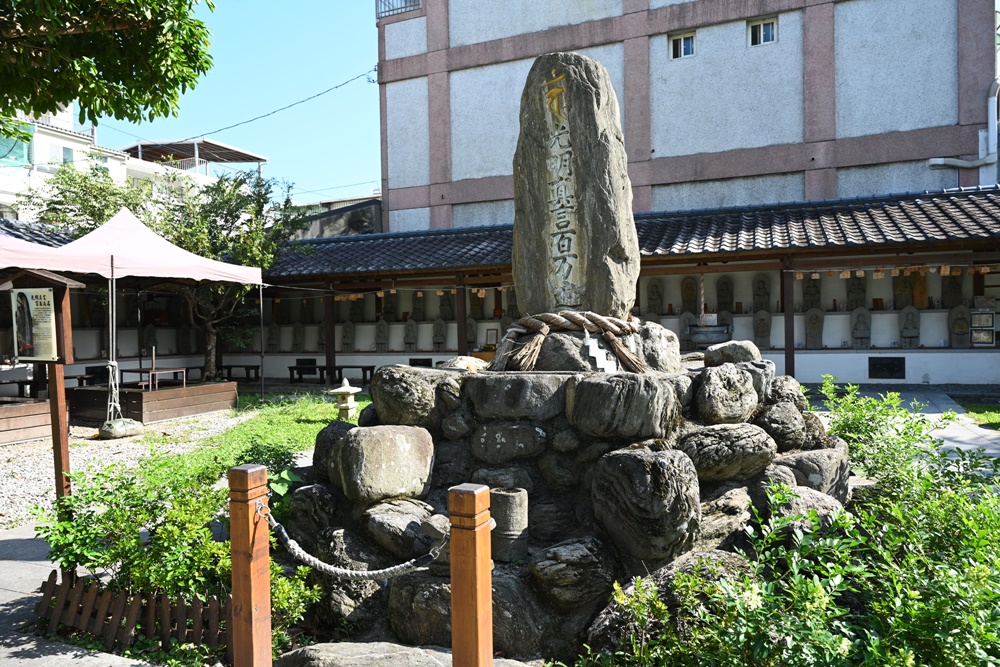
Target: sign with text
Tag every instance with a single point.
(34, 324)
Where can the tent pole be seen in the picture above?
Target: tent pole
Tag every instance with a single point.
(260, 292)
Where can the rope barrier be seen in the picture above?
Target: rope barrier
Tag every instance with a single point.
(513, 354)
(351, 575)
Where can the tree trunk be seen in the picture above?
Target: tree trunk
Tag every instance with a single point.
(210, 371)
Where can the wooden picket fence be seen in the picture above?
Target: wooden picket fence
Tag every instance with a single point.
(81, 603)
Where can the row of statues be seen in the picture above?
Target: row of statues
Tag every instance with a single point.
(907, 290)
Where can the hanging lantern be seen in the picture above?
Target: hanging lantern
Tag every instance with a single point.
(420, 294)
(814, 276)
(945, 270)
(895, 272)
(392, 291)
(798, 275)
(860, 273)
(454, 291)
(380, 294)
(831, 274)
(845, 274)
(932, 269)
(878, 274)
(440, 292)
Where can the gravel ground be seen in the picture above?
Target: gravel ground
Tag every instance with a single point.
(27, 472)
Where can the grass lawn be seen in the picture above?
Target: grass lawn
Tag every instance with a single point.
(985, 414)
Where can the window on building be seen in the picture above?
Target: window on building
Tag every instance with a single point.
(682, 46)
(764, 31)
(67, 155)
(14, 152)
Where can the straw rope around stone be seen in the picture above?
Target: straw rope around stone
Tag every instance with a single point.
(518, 355)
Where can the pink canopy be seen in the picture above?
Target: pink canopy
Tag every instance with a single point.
(26, 255)
(123, 246)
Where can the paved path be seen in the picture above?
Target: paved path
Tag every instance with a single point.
(24, 560)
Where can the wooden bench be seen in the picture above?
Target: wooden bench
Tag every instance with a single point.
(299, 369)
(248, 369)
(366, 372)
(22, 386)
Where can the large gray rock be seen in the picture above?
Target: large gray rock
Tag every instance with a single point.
(355, 605)
(787, 388)
(573, 572)
(385, 461)
(683, 386)
(659, 347)
(452, 464)
(395, 526)
(762, 374)
(313, 509)
(725, 395)
(326, 444)
(529, 396)
(410, 396)
(728, 452)
(420, 613)
(552, 521)
(575, 244)
(815, 432)
(785, 424)
(826, 470)
(615, 625)
(731, 352)
(373, 654)
(765, 483)
(500, 442)
(725, 512)
(511, 477)
(647, 501)
(564, 351)
(561, 472)
(804, 502)
(622, 406)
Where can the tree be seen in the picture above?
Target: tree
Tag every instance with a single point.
(241, 218)
(127, 59)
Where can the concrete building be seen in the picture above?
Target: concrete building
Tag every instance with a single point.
(723, 103)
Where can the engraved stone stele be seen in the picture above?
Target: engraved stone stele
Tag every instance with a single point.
(575, 245)
(814, 329)
(902, 292)
(951, 291)
(654, 299)
(811, 295)
(687, 320)
(689, 296)
(724, 294)
(761, 293)
(861, 328)
(909, 328)
(762, 329)
(856, 293)
(958, 327)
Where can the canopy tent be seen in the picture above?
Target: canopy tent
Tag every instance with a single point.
(123, 247)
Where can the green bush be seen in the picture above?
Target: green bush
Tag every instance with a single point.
(912, 578)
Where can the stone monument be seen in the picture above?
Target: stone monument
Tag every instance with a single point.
(306, 314)
(689, 296)
(381, 336)
(857, 293)
(389, 307)
(273, 337)
(902, 292)
(439, 334)
(687, 320)
(410, 335)
(471, 333)
(321, 336)
(951, 291)
(576, 221)
(762, 329)
(761, 292)
(357, 313)
(724, 294)
(958, 327)
(812, 297)
(475, 305)
(909, 328)
(347, 336)
(419, 309)
(814, 329)
(149, 337)
(861, 328)
(446, 310)
(654, 300)
(298, 336)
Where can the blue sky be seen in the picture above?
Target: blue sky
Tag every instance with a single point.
(267, 55)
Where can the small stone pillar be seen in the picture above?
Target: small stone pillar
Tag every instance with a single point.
(509, 508)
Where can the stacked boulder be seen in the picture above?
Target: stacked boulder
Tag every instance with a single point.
(625, 473)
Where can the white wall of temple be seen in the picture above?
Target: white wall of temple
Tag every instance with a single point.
(748, 191)
(896, 65)
(408, 133)
(500, 212)
(728, 95)
(409, 219)
(896, 177)
(406, 38)
(474, 21)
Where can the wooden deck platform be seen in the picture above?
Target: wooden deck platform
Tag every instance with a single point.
(24, 419)
(168, 402)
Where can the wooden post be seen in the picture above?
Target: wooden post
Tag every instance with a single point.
(788, 306)
(60, 427)
(471, 576)
(330, 318)
(250, 635)
(460, 315)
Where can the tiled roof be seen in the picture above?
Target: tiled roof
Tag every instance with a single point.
(948, 217)
(34, 232)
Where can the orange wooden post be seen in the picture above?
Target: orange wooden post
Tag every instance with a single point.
(250, 634)
(471, 576)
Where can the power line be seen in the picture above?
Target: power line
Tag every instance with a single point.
(289, 106)
(337, 187)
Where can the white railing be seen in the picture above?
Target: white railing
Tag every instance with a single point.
(390, 7)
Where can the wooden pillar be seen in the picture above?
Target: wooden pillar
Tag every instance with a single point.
(471, 576)
(250, 633)
(330, 319)
(60, 427)
(788, 307)
(460, 315)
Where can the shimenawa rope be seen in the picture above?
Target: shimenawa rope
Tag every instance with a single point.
(341, 573)
(511, 354)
